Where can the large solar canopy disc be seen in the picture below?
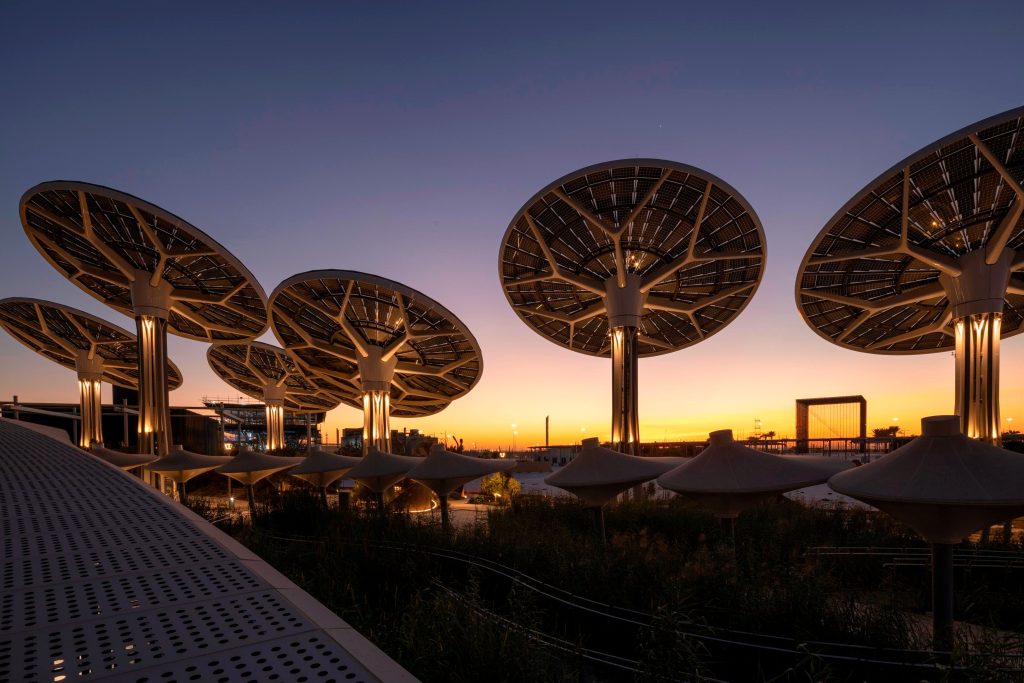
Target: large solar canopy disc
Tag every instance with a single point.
(928, 258)
(151, 265)
(387, 348)
(268, 374)
(97, 350)
(632, 258)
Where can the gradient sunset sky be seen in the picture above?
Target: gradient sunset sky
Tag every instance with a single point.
(401, 138)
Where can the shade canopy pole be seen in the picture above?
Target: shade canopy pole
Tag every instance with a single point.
(375, 374)
(625, 306)
(977, 296)
(152, 306)
(90, 372)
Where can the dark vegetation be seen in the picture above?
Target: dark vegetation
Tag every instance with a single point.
(673, 599)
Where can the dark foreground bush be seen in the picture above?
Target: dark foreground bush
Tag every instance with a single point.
(433, 601)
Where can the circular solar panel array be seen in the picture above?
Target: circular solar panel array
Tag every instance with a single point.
(323, 317)
(249, 366)
(102, 239)
(694, 242)
(870, 280)
(61, 332)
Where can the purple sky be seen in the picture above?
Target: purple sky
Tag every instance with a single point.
(400, 140)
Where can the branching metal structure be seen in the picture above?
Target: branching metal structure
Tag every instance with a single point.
(628, 259)
(268, 374)
(98, 351)
(151, 265)
(929, 257)
(387, 348)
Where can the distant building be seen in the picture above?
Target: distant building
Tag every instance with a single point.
(245, 422)
(193, 431)
(405, 442)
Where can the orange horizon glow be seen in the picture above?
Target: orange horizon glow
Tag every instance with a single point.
(721, 384)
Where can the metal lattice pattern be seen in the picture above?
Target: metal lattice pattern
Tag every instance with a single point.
(325, 318)
(250, 366)
(694, 242)
(102, 579)
(870, 280)
(102, 239)
(60, 332)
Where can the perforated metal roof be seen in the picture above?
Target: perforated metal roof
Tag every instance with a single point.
(249, 366)
(102, 239)
(322, 317)
(870, 280)
(59, 332)
(103, 578)
(693, 241)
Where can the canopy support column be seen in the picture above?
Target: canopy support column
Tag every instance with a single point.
(154, 411)
(152, 306)
(625, 413)
(977, 376)
(942, 597)
(375, 375)
(275, 424)
(625, 304)
(89, 366)
(92, 420)
(977, 296)
(377, 420)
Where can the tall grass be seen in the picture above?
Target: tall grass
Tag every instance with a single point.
(447, 622)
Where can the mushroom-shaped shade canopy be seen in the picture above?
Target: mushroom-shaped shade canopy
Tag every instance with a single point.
(870, 280)
(596, 475)
(692, 242)
(378, 471)
(443, 471)
(727, 477)
(252, 366)
(322, 468)
(180, 465)
(103, 240)
(328, 319)
(248, 466)
(124, 461)
(826, 464)
(942, 484)
(63, 334)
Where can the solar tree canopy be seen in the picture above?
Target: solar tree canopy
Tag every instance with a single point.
(95, 349)
(109, 243)
(148, 263)
(685, 247)
(631, 258)
(260, 370)
(387, 348)
(933, 242)
(64, 335)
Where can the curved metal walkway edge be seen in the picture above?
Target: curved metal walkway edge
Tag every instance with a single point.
(103, 578)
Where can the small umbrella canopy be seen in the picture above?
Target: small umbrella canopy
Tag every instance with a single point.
(727, 477)
(378, 471)
(443, 471)
(180, 465)
(124, 461)
(322, 468)
(248, 467)
(597, 474)
(827, 465)
(942, 484)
